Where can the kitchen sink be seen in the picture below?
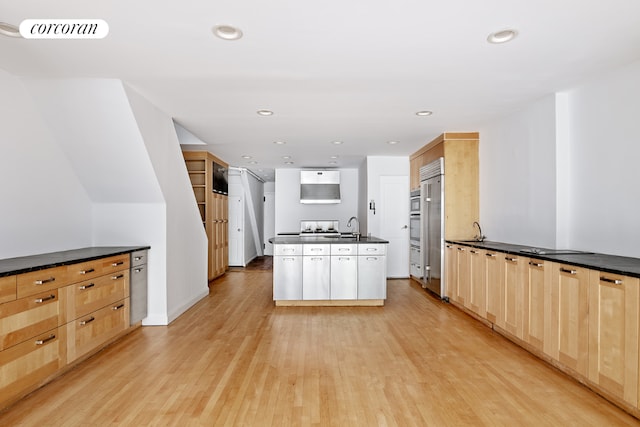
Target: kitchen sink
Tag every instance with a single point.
(537, 251)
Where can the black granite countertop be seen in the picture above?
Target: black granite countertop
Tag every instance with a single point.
(29, 263)
(609, 263)
(296, 239)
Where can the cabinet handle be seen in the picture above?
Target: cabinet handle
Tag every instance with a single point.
(448, 246)
(491, 255)
(43, 281)
(89, 320)
(511, 259)
(288, 250)
(137, 258)
(344, 259)
(614, 281)
(372, 249)
(83, 287)
(117, 307)
(566, 270)
(473, 252)
(316, 259)
(372, 258)
(461, 249)
(41, 300)
(46, 340)
(138, 270)
(535, 264)
(343, 249)
(315, 249)
(91, 270)
(288, 259)
(115, 264)
(119, 276)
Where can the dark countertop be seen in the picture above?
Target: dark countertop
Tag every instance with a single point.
(29, 263)
(296, 239)
(609, 263)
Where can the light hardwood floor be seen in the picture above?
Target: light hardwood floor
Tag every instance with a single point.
(235, 359)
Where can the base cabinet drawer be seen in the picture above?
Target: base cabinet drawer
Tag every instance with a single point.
(93, 330)
(88, 296)
(41, 280)
(28, 317)
(27, 365)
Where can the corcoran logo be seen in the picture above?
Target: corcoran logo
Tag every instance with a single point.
(64, 29)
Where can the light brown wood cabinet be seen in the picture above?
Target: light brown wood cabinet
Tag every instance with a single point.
(477, 282)
(213, 208)
(613, 334)
(451, 267)
(494, 292)
(569, 316)
(512, 284)
(537, 304)
(461, 184)
(51, 318)
(463, 275)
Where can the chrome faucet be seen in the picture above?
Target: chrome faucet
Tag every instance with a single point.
(479, 237)
(357, 232)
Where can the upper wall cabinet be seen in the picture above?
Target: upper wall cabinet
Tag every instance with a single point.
(461, 179)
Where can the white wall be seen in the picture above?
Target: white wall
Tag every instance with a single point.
(289, 210)
(45, 207)
(518, 176)
(186, 241)
(605, 163)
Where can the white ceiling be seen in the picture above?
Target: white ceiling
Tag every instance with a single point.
(354, 71)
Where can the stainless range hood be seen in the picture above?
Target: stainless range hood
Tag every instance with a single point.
(319, 186)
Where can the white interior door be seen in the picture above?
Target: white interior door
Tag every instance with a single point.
(394, 223)
(269, 224)
(236, 232)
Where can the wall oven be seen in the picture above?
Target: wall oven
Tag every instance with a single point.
(414, 200)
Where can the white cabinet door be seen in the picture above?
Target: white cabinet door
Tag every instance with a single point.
(287, 277)
(372, 277)
(344, 277)
(315, 277)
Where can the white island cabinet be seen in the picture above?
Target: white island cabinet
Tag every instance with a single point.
(372, 271)
(287, 272)
(329, 271)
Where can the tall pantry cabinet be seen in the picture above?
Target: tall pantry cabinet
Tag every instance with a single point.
(213, 207)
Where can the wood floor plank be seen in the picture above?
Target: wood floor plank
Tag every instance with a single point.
(236, 359)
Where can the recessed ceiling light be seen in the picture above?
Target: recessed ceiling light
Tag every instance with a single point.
(286, 157)
(333, 163)
(227, 32)
(502, 36)
(424, 113)
(337, 142)
(9, 30)
(246, 157)
(253, 162)
(265, 112)
(279, 142)
(288, 163)
(392, 142)
(334, 157)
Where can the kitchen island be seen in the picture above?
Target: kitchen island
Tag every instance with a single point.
(329, 271)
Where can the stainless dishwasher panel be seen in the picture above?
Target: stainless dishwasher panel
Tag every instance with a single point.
(138, 286)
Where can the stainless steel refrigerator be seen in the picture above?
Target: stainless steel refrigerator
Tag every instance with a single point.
(432, 215)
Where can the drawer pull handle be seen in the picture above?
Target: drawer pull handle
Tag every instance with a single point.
(138, 270)
(535, 264)
(491, 255)
(46, 340)
(41, 300)
(83, 287)
(119, 276)
(115, 264)
(288, 259)
(510, 259)
(614, 281)
(566, 270)
(343, 249)
(449, 246)
(472, 251)
(43, 281)
(288, 250)
(344, 259)
(137, 258)
(461, 249)
(91, 270)
(89, 320)
(316, 259)
(316, 249)
(372, 258)
(372, 249)
(117, 307)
